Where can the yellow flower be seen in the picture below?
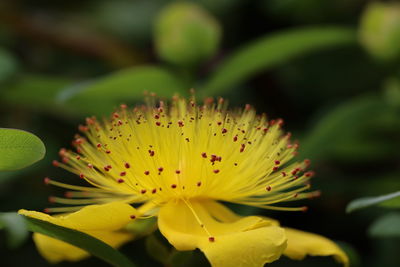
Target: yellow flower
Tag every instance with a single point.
(179, 162)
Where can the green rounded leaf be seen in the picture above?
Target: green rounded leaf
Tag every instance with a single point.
(186, 34)
(92, 245)
(386, 226)
(7, 65)
(370, 201)
(272, 50)
(19, 149)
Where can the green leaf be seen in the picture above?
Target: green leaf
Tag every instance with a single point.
(19, 149)
(370, 201)
(102, 95)
(7, 65)
(15, 227)
(272, 50)
(386, 226)
(344, 119)
(92, 245)
(36, 92)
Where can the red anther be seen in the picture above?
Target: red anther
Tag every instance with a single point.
(296, 195)
(289, 146)
(65, 160)
(51, 199)
(247, 107)
(204, 155)
(275, 168)
(224, 130)
(151, 152)
(307, 162)
(46, 210)
(108, 151)
(173, 186)
(78, 150)
(120, 122)
(304, 209)
(284, 174)
(160, 110)
(180, 123)
(242, 147)
(219, 158)
(309, 174)
(90, 121)
(106, 169)
(158, 123)
(235, 164)
(68, 194)
(143, 191)
(198, 183)
(123, 106)
(280, 122)
(154, 191)
(78, 141)
(160, 169)
(78, 157)
(132, 217)
(83, 128)
(156, 116)
(120, 180)
(62, 152)
(98, 145)
(147, 172)
(90, 166)
(46, 180)
(55, 163)
(122, 173)
(219, 123)
(211, 239)
(177, 171)
(115, 115)
(127, 165)
(268, 188)
(109, 167)
(81, 175)
(235, 138)
(265, 130)
(216, 171)
(272, 122)
(213, 158)
(277, 162)
(295, 171)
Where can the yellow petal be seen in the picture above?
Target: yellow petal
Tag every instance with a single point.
(302, 243)
(54, 250)
(246, 241)
(99, 221)
(111, 216)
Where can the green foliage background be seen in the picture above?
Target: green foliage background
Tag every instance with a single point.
(331, 69)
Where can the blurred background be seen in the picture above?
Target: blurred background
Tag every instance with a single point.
(331, 69)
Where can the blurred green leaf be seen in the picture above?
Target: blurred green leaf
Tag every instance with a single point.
(392, 92)
(272, 50)
(157, 250)
(370, 201)
(90, 244)
(101, 95)
(181, 258)
(8, 65)
(35, 91)
(142, 227)
(386, 226)
(19, 149)
(342, 120)
(15, 227)
(186, 34)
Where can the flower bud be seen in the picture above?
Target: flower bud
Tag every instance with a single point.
(380, 30)
(185, 34)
